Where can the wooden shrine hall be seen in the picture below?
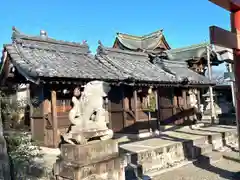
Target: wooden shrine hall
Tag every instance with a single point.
(146, 90)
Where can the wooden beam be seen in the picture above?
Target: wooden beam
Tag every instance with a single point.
(54, 117)
(224, 38)
(229, 5)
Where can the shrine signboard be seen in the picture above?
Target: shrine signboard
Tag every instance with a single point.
(231, 40)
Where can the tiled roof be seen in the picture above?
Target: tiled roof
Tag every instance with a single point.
(181, 70)
(139, 67)
(192, 52)
(135, 64)
(45, 57)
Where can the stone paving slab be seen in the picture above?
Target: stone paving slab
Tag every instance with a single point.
(148, 144)
(184, 135)
(220, 170)
(232, 155)
(220, 128)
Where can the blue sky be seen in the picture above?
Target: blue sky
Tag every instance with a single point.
(185, 22)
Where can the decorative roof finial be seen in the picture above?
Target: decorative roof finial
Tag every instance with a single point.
(100, 48)
(14, 29)
(100, 43)
(43, 33)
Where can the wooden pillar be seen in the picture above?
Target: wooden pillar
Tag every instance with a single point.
(175, 102)
(184, 94)
(235, 26)
(135, 105)
(109, 112)
(124, 108)
(199, 100)
(54, 117)
(46, 111)
(159, 109)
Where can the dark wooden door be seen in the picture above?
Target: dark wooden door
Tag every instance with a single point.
(165, 103)
(115, 104)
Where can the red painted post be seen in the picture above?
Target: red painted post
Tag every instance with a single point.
(231, 40)
(235, 25)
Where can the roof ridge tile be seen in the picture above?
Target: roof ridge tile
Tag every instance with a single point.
(18, 37)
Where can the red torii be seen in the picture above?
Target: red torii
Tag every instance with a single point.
(230, 40)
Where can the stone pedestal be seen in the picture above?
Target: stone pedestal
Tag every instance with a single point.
(97, 160)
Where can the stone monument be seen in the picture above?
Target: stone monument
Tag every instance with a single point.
(87, 149)
(217, 109)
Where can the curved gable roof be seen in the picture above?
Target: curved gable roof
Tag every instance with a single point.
(147, 42)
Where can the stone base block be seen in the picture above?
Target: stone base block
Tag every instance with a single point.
(98, 160)
(160, 158)
(230, 137)
(216, 140)
(89, 153)
(201, 150)
(108, 169)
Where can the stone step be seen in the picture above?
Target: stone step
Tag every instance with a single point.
(149, 160)
(216, 140)
(200, 141)
(153, 158)
(192, 151)
(198, 152)
(230, 137)
(133, 172)
(209, 158)
(201, 150)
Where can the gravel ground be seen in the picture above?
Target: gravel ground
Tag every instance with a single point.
(222, 170)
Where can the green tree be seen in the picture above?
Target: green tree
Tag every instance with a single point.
(22, 151)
